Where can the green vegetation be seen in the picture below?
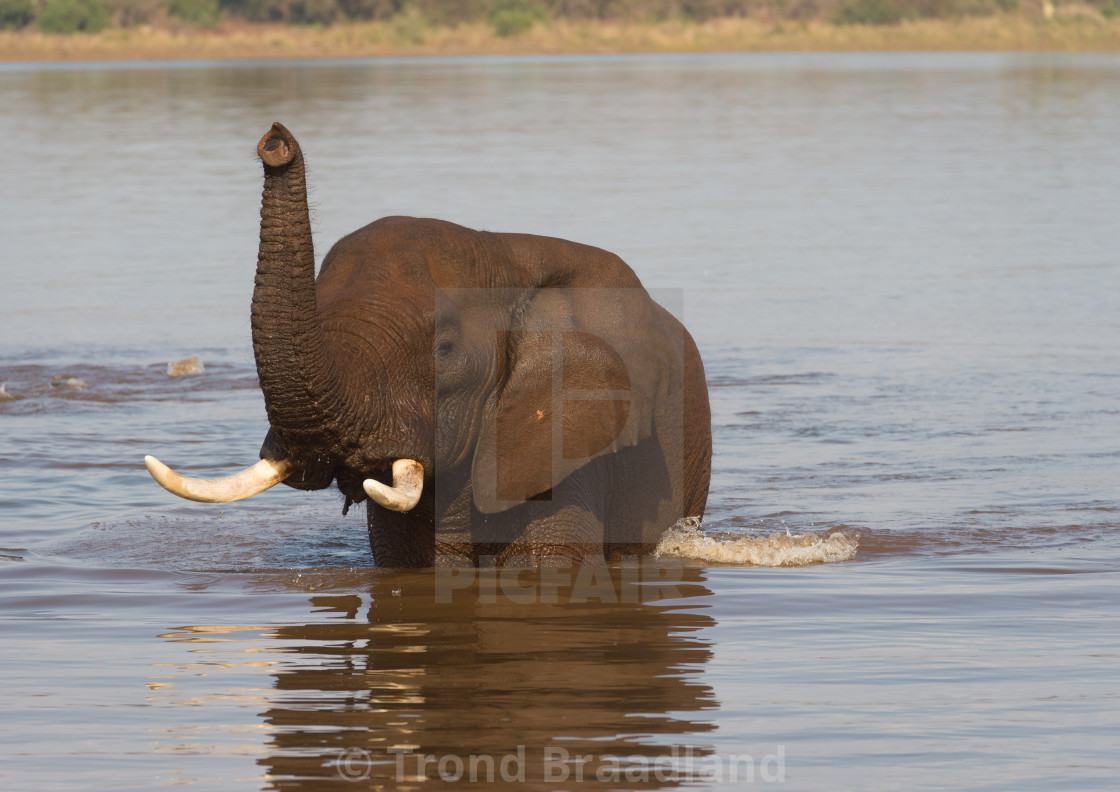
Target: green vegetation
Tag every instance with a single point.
(892, 12)
(512, 17)
(416, 21)
(15, 14)
(72, 16)
(873, 12)
(409, 25)
(201, 12)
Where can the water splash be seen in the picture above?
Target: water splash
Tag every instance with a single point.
(185, 367)
(70, 383)
(687, 540)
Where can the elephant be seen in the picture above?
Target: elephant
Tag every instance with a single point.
(493, 398)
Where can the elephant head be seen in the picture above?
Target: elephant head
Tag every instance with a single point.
(489, 395)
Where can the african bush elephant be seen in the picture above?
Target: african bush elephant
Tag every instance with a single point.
(525, 396)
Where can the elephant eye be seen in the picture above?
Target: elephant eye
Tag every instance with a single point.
(445, 348)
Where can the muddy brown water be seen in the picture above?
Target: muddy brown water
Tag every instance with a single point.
(902, 272)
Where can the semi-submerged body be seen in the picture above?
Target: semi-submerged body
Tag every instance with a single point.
(494, 398)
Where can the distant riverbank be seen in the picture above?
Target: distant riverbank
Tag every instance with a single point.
(233, 40)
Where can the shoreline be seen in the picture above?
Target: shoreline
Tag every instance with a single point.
(1079, 31)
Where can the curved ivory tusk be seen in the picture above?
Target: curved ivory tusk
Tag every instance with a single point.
(408, 483)
(250, 481)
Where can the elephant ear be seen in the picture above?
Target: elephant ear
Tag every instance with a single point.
(581, 370)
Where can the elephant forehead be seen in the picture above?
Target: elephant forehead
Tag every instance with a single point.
(380, 324)
(378, 287)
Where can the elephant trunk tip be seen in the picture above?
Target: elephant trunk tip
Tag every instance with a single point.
(278, 147)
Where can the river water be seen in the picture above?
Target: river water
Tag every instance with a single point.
(902, 272)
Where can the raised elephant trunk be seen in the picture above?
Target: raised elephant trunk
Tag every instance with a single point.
(315, 426)
(299, 375)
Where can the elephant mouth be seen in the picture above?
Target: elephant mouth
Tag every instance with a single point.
(401, 496)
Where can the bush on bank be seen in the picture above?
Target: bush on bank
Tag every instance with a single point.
(15, 14)
(506, 17)
(511, 17)
(71, 16)
(201, 12)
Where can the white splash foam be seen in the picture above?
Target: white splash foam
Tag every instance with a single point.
(687, 540)
(4, 395)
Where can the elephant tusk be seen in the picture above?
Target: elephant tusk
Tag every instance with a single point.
(408, 483)
(250, 481)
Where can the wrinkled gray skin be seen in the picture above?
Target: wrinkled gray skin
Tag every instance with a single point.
(560, 414)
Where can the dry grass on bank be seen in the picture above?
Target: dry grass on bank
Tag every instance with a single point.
(1082, 31)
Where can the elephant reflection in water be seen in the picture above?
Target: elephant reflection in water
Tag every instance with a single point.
(515, 692)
